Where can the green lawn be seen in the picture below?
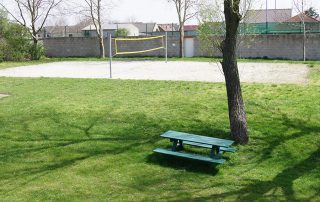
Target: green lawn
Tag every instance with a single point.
(92, 140)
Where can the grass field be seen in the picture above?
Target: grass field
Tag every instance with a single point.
(78, 139)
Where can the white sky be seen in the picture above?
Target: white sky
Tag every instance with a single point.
(161, 11)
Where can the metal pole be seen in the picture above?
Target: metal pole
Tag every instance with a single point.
(304, 32)
(166, 47)
(266, 16)
(110, 55)
(172, 28)
(146, 29)
(245, 6)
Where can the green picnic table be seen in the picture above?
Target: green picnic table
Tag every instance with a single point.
(179, 139)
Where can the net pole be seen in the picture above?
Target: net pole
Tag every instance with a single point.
(110, 55)
(166, 50)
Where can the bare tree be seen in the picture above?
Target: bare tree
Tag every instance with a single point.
(186, 10)
(32, 14)
(95, 9)
(237, 114)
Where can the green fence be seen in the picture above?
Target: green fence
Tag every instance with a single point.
(279, 28)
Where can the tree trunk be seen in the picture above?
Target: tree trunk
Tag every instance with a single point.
(35, 51)
(34, 36)
(237, 115)
(181, 46)
(35, 41)
(101, 45)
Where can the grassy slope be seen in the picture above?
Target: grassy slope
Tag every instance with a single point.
(70, 139)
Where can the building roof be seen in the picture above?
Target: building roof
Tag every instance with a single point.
(274, 15)
(104, 26)
(299, 17)
(190, 28)
(62, 29)
(168, 27)
(146, 27)
(111, 27)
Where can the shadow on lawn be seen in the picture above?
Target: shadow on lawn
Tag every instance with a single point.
(118, 142)
(284, 180)
(267, 189)
(123, 140)
(303, 128)
(183, 164)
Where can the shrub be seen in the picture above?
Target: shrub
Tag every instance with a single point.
(36, 51)
(122, 32)
(14, 40)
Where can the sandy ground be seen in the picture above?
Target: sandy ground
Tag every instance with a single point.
(158, 70)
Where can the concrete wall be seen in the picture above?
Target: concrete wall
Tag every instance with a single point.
(89, 47)
(289, 46)
(286, 46)
(71, 47)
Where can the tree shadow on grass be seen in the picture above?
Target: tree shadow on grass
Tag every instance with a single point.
(267, 189)
(282, 185)
(303, 128)
(110, 144)
(123, 140)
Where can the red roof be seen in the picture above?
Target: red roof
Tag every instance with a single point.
(190, 28)
(298, 18)
(270, 15)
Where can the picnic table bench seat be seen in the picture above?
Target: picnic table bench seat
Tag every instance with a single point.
(179, 139)
(225, 149)
(189, 155)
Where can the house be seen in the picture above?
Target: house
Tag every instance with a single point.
(270, 15)
(168, 27)
(90, 31)
(146, 28)
(190, 30)
(300, 17)
(311, 24)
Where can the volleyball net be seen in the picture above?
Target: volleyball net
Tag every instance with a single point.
(129, 46)
(137, 46)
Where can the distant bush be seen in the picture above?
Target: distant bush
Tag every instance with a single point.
(122, 32)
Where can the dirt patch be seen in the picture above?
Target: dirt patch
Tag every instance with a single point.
(156, 70)
(2, 95)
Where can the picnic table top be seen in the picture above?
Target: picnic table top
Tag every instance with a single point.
(197, 138)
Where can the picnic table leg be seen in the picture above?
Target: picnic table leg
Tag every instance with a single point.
(215, 152)
(180, 145)
(177, 145)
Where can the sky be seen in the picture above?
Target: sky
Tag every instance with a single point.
(161, 11)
